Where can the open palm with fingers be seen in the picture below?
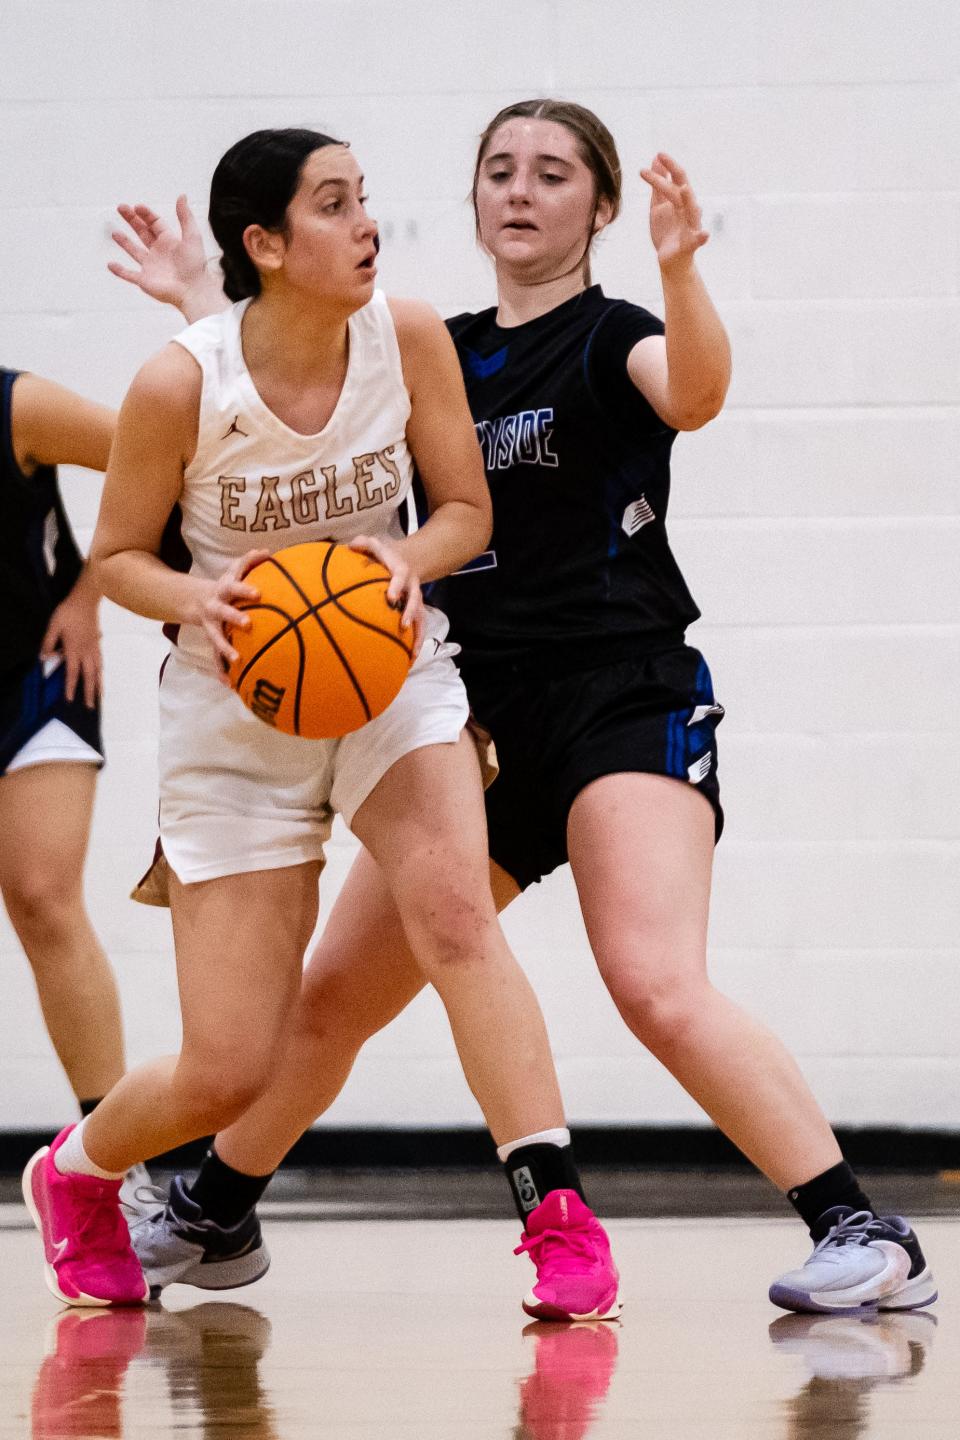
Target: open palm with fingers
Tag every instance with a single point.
(675, 221)
(168, 265)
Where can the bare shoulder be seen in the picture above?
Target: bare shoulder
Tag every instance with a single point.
(170, 377)
(417, 323)
(426, 350)
(161, 411)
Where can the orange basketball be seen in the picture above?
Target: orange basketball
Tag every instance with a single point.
(325, 653)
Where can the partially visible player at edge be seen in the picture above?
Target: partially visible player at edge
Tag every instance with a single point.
(572, 636)
(50, 745)
(339, 393)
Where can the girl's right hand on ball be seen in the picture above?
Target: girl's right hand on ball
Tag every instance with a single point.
(217, 611)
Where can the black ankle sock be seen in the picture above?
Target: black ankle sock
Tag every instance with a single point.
(87, 1107)
(534, 1170)
(836, 1186)
(225, 1195)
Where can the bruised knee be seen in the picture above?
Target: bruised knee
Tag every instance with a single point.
(451, 925)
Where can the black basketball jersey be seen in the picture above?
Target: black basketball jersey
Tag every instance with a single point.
(39, 559)
(579, 469)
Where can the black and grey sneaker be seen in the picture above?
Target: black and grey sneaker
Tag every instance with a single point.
(176, 1244)
(863, 1262)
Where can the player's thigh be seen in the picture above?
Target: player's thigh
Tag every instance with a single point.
(239, 948)
(45, 814)
(424, 823)
(361, 972)
(641, 849)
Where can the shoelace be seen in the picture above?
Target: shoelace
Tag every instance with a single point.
(144, 1194)
(855, 1229)
(572, 1242)
(194, 1230)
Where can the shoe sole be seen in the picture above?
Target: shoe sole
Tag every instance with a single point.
(802, 1303)
(920, 1291)
(915, 1296)
(81, 1300)
(539, 1310)
(222, 1275)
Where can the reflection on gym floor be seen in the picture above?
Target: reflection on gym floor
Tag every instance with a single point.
(392, 1329)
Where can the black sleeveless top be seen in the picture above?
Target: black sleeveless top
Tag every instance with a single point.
(579, 469)
(39, 559)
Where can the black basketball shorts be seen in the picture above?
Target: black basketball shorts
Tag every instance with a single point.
(34, 707)
(654, 714)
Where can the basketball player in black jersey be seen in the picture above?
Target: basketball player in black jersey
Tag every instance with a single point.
(572, 633)
(50, 746)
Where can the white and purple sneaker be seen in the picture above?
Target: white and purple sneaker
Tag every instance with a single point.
(864, 1262)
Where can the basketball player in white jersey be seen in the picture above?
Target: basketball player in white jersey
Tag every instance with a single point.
(297, 414)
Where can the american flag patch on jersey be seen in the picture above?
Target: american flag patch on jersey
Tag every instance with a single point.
(636, 516)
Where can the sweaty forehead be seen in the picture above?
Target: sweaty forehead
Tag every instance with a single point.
(525, 135)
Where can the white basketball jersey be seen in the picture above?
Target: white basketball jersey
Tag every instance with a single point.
(256, 484)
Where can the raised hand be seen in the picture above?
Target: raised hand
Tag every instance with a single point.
(675, 221)
(170, 267)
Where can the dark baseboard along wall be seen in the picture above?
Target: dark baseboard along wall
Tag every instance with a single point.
(597, 1147)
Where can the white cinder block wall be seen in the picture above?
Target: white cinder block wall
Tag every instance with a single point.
(817, 520)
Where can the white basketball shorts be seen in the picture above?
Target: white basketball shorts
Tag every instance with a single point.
(237, 796)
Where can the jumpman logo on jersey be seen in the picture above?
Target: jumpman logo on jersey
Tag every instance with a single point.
(235, 430)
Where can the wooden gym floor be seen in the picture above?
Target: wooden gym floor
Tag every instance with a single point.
(368, 1329)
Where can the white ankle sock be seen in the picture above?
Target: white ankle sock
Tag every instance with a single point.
(559, 1137)
(72, 1158)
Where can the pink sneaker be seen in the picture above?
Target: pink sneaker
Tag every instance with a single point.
(576, 1276)
(86, 1242)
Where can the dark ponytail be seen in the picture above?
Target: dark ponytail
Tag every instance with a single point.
(253, 185)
